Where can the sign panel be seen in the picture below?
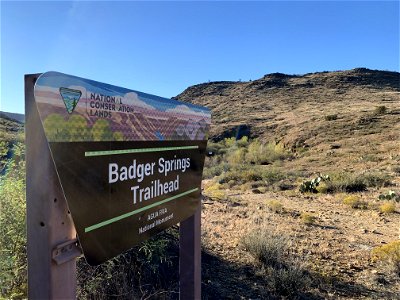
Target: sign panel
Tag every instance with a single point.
(130, 164)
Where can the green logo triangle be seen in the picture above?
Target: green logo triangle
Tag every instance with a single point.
(70, 97)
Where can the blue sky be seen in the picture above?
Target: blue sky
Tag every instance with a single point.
(161, 48)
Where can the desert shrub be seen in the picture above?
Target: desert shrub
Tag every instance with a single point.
(345, 182)
(351, 183)
(380, 110)
(308, 218)
(215, 191)
(284, 274)
(13, 260)
(387, 207)
(275, 206)
(241, 174)
(331, 117)
(376, 180)
(388, 255)
(260, 153)
(355, 202)
(271, 176)
(215, 148)
(236, 156)
(243, 142)
(254, 152)
(269, 249)
(370, 157)
(146, 271)
(215, 170)
(284, 185)
(396, 169)
(229, 142)
(3, 148)
(225, 146)
(278, 150)
(322, 188)
(289, 281)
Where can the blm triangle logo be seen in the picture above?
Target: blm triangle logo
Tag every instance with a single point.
(70, 98)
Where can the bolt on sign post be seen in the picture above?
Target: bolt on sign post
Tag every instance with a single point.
(114, 166)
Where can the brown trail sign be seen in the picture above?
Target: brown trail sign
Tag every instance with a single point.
(113, 165)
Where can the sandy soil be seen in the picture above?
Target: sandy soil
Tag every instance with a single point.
(336, 249)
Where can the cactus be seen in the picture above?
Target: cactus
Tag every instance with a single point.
(310, 186)
(390, 195)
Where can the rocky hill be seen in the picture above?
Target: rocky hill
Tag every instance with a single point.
(325, 112)
(284, 106)
(20, 118)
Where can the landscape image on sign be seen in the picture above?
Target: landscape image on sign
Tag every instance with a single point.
(70, 98)
(77, 109)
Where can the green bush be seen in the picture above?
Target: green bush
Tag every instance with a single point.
(308, 218)
(260, 153)
(376, 180)
(146, 271)
(236, 156)
(215, 148)
(229, 142)
(215, 170)
(380, 110)
(347, 183)
(351, 183)
(331, 117)
(215, 191)
(243, 142)
(271, 176)
(3, 148)
(241, 174)
(13, 260)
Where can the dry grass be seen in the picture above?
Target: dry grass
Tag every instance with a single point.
(355, 202)
(215, 190)
(388, 207)
(308, 218)
(275, 206)
(389, 256)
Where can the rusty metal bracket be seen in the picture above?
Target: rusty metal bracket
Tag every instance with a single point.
(66, 251)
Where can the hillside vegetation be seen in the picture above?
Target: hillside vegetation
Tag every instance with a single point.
(347, 118)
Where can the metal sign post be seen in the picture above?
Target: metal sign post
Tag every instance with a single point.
(51, 265)
(190, 257)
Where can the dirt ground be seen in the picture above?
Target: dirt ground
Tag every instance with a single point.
(336, 249)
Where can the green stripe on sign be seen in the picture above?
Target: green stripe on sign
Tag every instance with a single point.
(116, 219)
(142, 150)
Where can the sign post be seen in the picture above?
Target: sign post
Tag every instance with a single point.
(190, 257)
(49, 223)
(111, 167)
